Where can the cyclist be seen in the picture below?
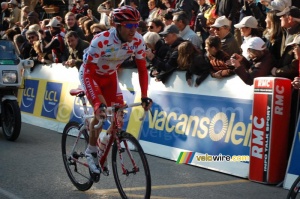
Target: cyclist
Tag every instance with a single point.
(98, 73)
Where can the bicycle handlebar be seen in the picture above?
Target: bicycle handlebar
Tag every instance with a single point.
(110, 108)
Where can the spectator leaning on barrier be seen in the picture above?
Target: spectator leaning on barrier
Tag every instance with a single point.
(221, 29)
(166, 66)
(180, 19)
(260, 64)
(217, 58)
(76, 47)
(192, 60)
(56, 45)
(288, 65)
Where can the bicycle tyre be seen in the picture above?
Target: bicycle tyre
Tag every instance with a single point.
(78, 173)
(294, 190)
(137, 182)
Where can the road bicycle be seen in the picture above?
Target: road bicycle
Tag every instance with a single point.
(294, 190)
(129, 163)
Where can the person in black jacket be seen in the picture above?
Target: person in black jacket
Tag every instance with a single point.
(166, 66)
(229, 9)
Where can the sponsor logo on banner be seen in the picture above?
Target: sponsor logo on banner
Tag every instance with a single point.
(29, 95)
(209, 125)
(51, 99)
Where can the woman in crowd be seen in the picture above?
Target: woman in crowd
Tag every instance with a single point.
(248, 27)
(273, 34)
(156, 25)
(217, 58)
(192, 60)
(260, 64)
(155, 44)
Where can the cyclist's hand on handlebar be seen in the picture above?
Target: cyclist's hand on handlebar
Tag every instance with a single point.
(146, 103)
(100, 111)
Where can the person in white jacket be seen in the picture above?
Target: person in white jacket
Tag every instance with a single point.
(277, 4)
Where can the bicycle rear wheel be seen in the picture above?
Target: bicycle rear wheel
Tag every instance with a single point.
(294, 190)
(78, 173)
(136, 181)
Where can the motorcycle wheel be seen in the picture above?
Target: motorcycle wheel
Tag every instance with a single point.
(11, 120)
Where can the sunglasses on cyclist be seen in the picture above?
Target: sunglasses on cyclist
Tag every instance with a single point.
(129, 25)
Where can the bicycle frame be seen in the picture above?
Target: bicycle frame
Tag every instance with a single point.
(115, 127)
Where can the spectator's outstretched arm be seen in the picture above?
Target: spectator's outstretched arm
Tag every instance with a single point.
(52, 44)
(169, 64)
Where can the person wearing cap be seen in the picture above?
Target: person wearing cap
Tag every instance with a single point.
(56, 46)
(248, 28)
(260, 64)
(164, 67)
(255, 9)
(221, 29)
(290, 21)
(279, 5)
(15, 13)
(180, 19)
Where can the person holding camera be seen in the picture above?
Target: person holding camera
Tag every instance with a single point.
(260, 63)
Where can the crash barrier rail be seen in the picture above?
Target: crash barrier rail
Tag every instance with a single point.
(208, 126)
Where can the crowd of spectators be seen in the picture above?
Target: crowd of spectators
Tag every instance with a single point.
(220, 38)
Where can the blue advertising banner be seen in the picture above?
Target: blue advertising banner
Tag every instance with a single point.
(29, 95)
(51, 99)
(209, 124)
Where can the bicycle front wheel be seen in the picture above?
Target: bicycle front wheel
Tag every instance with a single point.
(294, 190)
(73, 148)
(130, 168)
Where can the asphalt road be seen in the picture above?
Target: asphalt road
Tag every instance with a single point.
(32, 168)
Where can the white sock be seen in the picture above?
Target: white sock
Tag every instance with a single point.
(91, 149)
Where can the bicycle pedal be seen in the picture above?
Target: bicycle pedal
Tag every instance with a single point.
(95, 176)
(105, 171)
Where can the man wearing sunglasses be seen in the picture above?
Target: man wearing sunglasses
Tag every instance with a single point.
(98, 73)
